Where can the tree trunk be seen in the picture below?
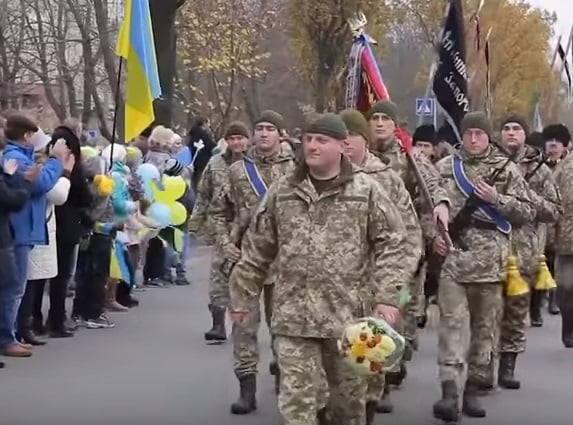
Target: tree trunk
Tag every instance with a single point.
(163, 20)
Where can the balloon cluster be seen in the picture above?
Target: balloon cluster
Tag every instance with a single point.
(163, 193)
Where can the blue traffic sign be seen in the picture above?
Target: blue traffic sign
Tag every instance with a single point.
(425, 107)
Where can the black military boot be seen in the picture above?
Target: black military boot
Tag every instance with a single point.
(370, 412)
(505, 375)
(385, 405)
(535, 309)
(218, 331)
(471, 405)
(274, 371)
(565, 300)
(552, 306)
(488, 385)
(321, 416)
(447, 409)
(247, 401)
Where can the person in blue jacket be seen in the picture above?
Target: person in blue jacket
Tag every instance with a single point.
(29, 223)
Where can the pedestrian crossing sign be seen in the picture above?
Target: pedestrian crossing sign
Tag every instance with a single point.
(425, 107)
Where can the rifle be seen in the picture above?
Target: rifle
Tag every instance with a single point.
(544, 160)
(463, 218)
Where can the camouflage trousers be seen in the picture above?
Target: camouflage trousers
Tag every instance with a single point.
(314, 376)
(245, 337)
(468, 325)
(513, 323)
(218, 282)
(412, 310)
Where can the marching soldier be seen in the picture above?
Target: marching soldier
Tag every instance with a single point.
(335, 236)
(246, 185)
(527, 244)
(470, 291)
(356, 149)
(211, 183)
(563, 246)
(556, 140)
(425, 142)
(382, 118)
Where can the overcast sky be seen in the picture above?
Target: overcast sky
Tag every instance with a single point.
(564, 10)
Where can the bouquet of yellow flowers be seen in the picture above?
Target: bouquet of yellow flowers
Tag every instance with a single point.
(371, 346)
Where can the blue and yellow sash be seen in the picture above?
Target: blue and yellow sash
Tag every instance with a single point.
(467, 188)
(255, 179)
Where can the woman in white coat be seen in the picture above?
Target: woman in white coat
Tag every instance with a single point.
(43, 262)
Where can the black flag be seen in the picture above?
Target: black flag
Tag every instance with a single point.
(450, 83)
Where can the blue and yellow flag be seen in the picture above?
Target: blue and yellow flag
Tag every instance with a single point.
(137, 47)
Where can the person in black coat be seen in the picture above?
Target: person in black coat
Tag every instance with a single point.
(69, 230)
(199, 132)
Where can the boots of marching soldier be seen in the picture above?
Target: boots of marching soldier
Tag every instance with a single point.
(471, 405)
(247, 401)
(385, 404)
(447, 409)
(26, 334)
(565, 299)
(552, 306)
(370, 412)
(274, 371)
(487, 385)
(321, 417)
(505, 375)
(218, 331)
(535, 315)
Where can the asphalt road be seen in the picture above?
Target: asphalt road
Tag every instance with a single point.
(155, 369)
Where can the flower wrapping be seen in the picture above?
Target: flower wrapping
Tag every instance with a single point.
(371, 346)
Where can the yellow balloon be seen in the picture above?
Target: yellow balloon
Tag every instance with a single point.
(178, 213)
(174, 188)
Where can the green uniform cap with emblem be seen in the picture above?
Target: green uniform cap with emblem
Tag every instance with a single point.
(330, 125)
(355, 123)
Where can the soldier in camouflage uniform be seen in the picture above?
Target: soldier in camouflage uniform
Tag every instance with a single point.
(246, 184)
(382, 118)
(564, 249)
(470, 293)
(335, 233)
(356, 149)
(556, 139)
(526, 243)
(211, 183)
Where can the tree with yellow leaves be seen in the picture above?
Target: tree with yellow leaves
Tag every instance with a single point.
(321, 40)
(519, 51)
(218, 44)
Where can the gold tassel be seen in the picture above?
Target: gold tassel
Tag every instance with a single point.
(544, 281)
(515, 285)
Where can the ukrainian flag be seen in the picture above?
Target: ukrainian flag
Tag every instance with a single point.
(137, 46)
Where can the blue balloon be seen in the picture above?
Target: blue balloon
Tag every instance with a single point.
(147, 172)
(184, 156)
(160, 213)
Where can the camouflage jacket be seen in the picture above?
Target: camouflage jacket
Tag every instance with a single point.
(236, 202)
(563, 244)
(528, 240)
(554, 166)
(486, 257)
(394, 187)
(211, 184)
(394, 156)
(324, 246)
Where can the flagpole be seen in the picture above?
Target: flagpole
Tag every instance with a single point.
(555, 52)
(434, 65)
(115, 112)
(489, 103)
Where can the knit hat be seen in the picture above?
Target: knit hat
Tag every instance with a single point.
(329, 125)
(386, 107)
(237, 128)
(476, 119)
(425, 133)
(273, 118)
(173, 167)
(446, 134)
(518, 119)
(557, 132)
(355, 123)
